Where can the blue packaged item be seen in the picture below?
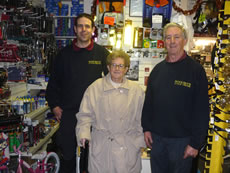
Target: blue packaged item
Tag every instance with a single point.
(16, 73)
(75, 2)
(46, 79)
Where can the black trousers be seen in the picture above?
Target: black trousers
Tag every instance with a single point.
(66, 141)
(167, 155)
(68, 166)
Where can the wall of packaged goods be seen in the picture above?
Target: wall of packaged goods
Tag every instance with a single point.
(27, 47)
(32, 32)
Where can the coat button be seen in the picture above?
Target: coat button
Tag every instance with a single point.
(111, 139)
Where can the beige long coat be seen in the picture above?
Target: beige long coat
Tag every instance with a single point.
(115, 116)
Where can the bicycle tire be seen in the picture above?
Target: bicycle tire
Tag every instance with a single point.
(54, 159)
(4, 169)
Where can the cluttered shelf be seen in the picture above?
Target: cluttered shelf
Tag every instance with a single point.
(32, 150)
(43, 141)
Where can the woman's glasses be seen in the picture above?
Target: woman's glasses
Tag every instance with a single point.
(117, 66)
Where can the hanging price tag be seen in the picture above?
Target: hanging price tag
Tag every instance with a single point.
(109, 20)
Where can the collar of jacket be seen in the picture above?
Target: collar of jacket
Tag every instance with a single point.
(108, 86)
(89, 47)
(180, 59)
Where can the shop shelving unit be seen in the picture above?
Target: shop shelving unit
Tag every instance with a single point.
(43, 141)
(39, 114)
(20, 89)
(218, 132)
(63, 30)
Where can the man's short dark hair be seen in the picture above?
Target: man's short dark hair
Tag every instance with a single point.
(88, 16)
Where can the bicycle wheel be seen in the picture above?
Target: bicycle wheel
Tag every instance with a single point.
(51, 163)
(3, 169)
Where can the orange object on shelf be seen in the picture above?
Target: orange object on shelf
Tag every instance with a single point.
(159, 3)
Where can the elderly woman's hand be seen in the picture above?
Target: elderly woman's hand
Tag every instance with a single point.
(82, 141)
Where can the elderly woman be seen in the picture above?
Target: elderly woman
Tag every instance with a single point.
(110, 118)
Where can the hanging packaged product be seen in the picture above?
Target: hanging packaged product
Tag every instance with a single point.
(147, 13)
(138, 37)
(146, 43)
(153, 7)
(9, 53)
(110, 12)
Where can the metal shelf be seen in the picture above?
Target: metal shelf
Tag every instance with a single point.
(43, 141)
(64, 16)
(36, 113)
(18, 89)
(65, 37)
(35, 148)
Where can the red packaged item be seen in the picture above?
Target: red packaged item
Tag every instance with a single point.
(9, 53)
